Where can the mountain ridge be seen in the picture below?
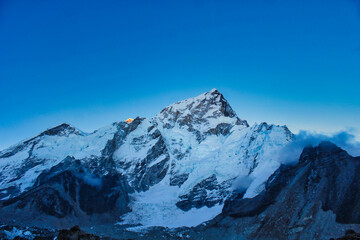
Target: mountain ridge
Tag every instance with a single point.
(191, 151)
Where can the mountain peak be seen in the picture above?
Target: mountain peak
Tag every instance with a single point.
(328, 146)
(63, 129)
(212, 94)
(324, 150)
(203, 108)
(213, 91)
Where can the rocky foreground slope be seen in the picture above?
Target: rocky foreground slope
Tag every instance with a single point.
(173, 170)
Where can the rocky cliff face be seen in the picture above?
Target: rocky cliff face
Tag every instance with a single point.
(180, 164)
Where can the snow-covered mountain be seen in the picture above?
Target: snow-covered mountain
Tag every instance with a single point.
(175, 169)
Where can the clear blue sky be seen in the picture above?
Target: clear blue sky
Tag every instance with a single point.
(92, 62)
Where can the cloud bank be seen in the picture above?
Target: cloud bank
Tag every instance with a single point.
(344, 139)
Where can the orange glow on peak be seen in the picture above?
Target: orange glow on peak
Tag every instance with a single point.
(129, 120)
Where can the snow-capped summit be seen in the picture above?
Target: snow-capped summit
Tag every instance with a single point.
(209, 104)
(201, 114)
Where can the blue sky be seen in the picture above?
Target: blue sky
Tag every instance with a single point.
(90, 63)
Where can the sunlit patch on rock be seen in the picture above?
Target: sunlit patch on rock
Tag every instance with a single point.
(129, 120)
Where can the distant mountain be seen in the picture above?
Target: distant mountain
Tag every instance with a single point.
(180, 164)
